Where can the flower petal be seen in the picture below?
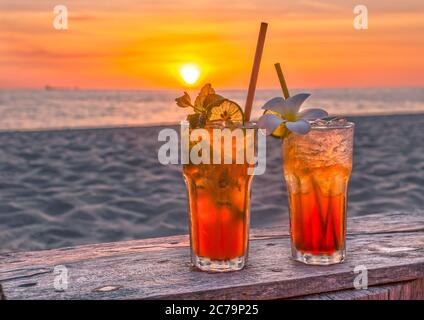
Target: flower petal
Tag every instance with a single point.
(313, 113)
(269, 122)
(275, 104)
(293, 103)
(300, 126)
(286, 106)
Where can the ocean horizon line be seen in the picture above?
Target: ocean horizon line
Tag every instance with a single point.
(173, 123)
(42, 110)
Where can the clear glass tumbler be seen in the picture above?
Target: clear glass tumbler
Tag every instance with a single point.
(317, 167)
(219, 199)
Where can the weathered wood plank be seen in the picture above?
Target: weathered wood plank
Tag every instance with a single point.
(390, 246)
(387, 222)
(408, 290)
(376, 223)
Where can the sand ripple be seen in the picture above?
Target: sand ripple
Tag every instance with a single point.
(74, 187)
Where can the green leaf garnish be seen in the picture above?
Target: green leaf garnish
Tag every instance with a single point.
(184, 101)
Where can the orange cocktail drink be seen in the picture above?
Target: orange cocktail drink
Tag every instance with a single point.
(317, 167)
(219, 203)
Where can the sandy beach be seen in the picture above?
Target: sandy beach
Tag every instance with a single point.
(70, 187)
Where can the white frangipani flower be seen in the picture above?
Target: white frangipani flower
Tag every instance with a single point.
(286, 113)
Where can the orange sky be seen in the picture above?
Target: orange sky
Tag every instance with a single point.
(142, 44)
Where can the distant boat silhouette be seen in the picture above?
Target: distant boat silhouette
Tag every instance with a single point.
(50, 88)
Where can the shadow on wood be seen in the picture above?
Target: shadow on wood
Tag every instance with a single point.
(408, 290)
(2, 297)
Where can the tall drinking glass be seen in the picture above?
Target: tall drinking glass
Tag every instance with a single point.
(317, 167)
(219, 199)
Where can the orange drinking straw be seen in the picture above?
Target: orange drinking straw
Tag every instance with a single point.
(255, 71)
(282, 80)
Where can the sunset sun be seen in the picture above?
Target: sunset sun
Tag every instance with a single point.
(189, 73)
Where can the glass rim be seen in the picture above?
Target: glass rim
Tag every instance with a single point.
(347, 125)
(222, 125)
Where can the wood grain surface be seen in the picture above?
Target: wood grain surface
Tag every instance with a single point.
(389, 245)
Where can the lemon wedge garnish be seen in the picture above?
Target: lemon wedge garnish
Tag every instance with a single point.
(225, 110)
